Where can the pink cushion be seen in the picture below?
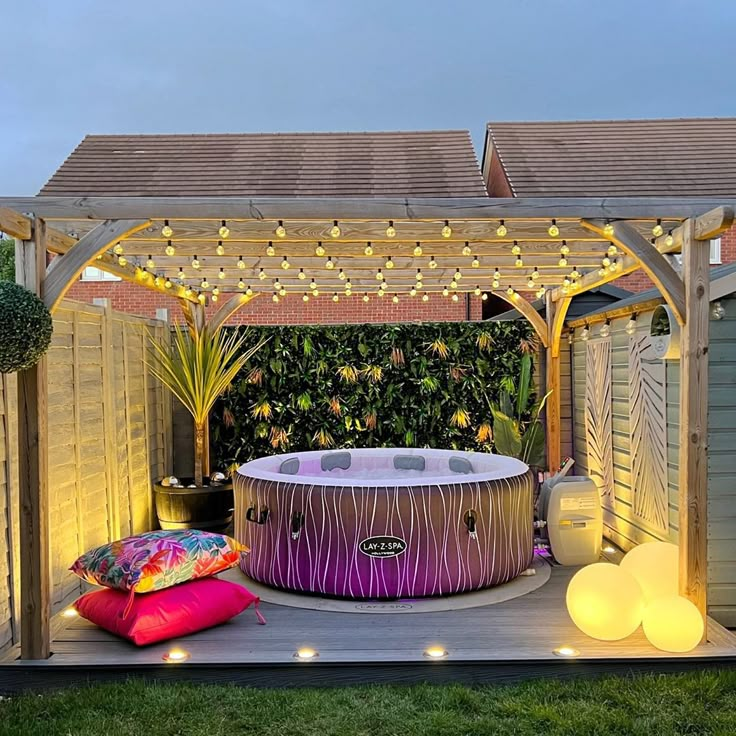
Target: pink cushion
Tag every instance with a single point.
(165, 614)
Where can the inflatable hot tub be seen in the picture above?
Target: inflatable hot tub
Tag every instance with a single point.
(384, 523)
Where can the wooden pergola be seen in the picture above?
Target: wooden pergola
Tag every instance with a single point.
(226, 251)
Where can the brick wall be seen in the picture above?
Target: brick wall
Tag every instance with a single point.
(127, 297)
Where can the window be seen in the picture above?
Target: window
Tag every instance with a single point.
(95, 274)
(715, 251)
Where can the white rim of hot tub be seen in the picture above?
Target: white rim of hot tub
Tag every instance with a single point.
(510, 467)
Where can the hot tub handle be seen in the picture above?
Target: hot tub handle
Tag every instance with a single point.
(261, 518)
(297, 522)
(470, 521)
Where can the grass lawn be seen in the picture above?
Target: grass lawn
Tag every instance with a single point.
(699, 703)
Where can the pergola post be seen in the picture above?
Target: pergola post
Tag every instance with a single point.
(556, 313)
(693, 451)
(33, 484)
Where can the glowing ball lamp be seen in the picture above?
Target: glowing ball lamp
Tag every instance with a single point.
(605, 601)
(655, 565)
(673, 624)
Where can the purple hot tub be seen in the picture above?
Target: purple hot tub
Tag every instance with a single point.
(384, 523)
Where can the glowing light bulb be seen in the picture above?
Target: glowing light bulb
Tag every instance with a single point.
(166, 230)
(270, 250)
(277, 285)
(335, 231)
(329, 265)
(280, 230)
(381, 292)
(432, 263)
(466, 249)
(319, 250)
(455, 297)
(389, 263)
(275, 298)
(390, 230)
(150, 263)
(249, 291)
(445, 292)
(301, 275)
(419, 276)
(477, 291)
(312, 284)
(566, 281)
(348, 284)
(535, 273)
(669, 240)
(261, 274)
(335, 298)
(412, 291)
(366, 298)
(575, 274)
(446, 230)
(224, 230)
(379, 275)
(195, 263)
(496, 274)
(564, 248)
(630, 330)
(201, 298)
(282, 291)
(176, 655)
(475, 263)
(241, 263)
(519, 262)
(495, 283)
(515, 249)
(204, 284)
(608, 228)
(285, 264)
(553, 230)
(122, 260)
(348, 292)
(613, 267)
(305, 298)
(187, 292)
(510, 291)
(563, 261)
(221, 275)
(395, 299)
(530, 283)
(541, 292)
(425, 297)
(606, 261)
(181, 274)
(368, 250)
(340, 275)
(215, 291)
(606, 329)
(220, 250)
(157, 281)
(501, 230)
(418, 250)
(170, 249)
(658, 230)
(453, 284)
(118, 250)
(241, 284)
(458, 275)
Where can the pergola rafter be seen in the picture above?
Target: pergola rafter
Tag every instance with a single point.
(135, 223)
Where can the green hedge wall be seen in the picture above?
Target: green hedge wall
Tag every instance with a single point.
(420, 385)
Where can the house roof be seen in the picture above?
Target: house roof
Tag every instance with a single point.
(415, 163)
(609, 158)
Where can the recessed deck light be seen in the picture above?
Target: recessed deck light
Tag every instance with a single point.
(609, 550)
(566, 651)
(70, 612)
(306, 654)
(176, 656)
(435, 652)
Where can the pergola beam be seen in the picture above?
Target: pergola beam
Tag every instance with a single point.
(64, 270)
(526, 310)
(656, 266)
(356, 208)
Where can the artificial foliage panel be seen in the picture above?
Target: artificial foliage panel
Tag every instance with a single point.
(598, 417)
(403, 385)
(648, 429)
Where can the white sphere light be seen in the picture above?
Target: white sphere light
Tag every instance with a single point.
(655, 566)
(673, 624)
(605, 601)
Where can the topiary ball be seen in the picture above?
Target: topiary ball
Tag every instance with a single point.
(25, 328)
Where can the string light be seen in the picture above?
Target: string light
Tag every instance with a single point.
(366, 298)
(348, 284)
(419, 276)
(575, 274)
(669, 240)
(530, 283)
(553, 230)
(418, 250)
(510, 291)
(455, 297)
(475, 263)
(241, 263)
(277, 285)
(348, 292)
(201, 298)
(368, 250)
(166, 230)
(215, 297)
(381, 291)
(150, 263)
(395, 299)
(170, 249)
(535, 273)
(495, 283)
(285, 263)
(249, 291)
(335, 231)
(181, 274)
(458, 275)
(305, 298)
(446, 230)
(477, 291)
(340, 275)
(312, 284)
(390, 230)
(565, 248)
(118, 250)
(379, 275)
(606, 261)
(389, 263)
(501, 230)
(221, 275)
(220, 250)
(329, 265)
(432, 263)
(608, 229)
(187, 292)
(541, 291)
(563, 261)
(280, 230)
(301, 276)
(195, 263)
(335, 297)
(319, 250)
(631, 325)
(613, 267)
(466, 249)
(496, 274)
(275, 298)
(412, 291)
(605, 329)
(453, 284)
(270, 250)
(261, 274)
(516, 248)
(241, 284)
(215, 291)
(224, 230)
(445, 292)
(157, 281)
(484, 297)
(425, 297)
(204, 284)
(658, 230)
(612, 250)
(519, 262)
(282, 292)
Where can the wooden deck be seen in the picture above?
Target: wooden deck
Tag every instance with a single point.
(502, 642)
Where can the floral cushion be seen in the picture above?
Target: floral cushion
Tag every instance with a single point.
(157, 560)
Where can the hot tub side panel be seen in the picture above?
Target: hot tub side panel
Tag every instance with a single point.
(438, 553)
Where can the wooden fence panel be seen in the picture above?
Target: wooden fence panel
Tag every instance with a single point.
(107, 437)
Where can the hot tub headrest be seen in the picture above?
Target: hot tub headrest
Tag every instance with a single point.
(409, 462)
(290, 466)
(460, 465)
(335, 460)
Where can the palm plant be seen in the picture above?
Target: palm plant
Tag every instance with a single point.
(197, 368)
(517, 430)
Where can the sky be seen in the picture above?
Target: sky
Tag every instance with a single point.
(73, 67)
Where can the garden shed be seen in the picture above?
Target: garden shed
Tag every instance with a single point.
(469, 241)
